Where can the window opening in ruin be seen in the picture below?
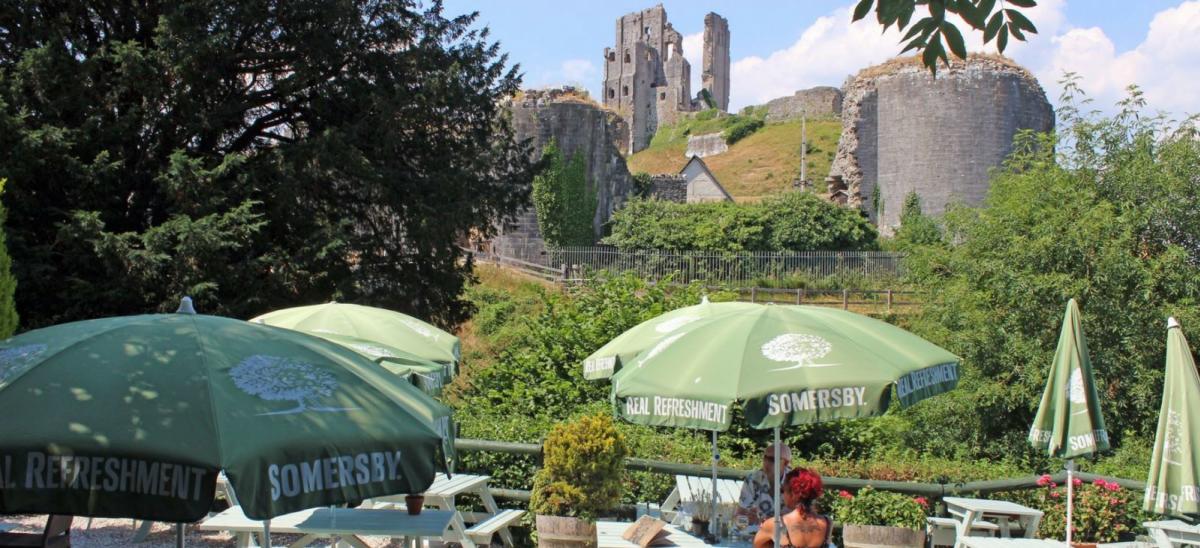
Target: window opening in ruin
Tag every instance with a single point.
(625, 91)
(627, 59)
(612, 56)
(649, 56)
(612, 93)
(662, 96)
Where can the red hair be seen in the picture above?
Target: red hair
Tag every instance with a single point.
(805, 484)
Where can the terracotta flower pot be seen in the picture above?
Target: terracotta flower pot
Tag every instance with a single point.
(414, 504)
(699, 528)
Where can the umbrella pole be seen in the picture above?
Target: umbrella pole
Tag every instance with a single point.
(775, 481)
(1070, 495)
(267, 533)
(179, 535)
(712, 528)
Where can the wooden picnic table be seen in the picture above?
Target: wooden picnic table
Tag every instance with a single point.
(1173, 533)
(689, 489)
(443, 493)
(992, 542)
(967, 511)
(341, 524)
(608, 534)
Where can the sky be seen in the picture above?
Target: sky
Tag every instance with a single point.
(780, 46)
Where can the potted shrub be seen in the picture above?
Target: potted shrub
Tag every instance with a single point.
(1103, 511)
(879, 518)
(583, 468)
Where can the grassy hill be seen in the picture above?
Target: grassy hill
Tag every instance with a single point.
(764, 163)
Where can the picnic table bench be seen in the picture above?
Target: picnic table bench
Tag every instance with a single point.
(442, 494)
(689, 489)
(968, 513)
(1173, 533)
(342, 524)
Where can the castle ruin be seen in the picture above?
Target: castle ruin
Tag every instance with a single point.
(647, 80)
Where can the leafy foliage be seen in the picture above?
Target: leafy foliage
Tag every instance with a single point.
(741, 129)
(560, 195)
(643, 184)
(790, 221)
(1109, 218)
(8, 283)
(872, 507)
(916, 228)
(583, 468)
(251, 154)
(1102, 510)
(927, 34)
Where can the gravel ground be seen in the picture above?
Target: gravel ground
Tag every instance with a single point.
(105, 532)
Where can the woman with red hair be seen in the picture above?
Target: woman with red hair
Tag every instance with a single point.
(803, 527)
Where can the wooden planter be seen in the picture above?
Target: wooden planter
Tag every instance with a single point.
(873, 536)
(561, 532)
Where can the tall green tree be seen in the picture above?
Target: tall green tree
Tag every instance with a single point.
(8, 283)
(1108, 213)
(565, 207)
(916, 228)
(255, 154)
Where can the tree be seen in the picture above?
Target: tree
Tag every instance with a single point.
(916, 228)
(274, 378)
(926, 36)
(564, 205)
(8, 283)
(252, 154)
(1108, 217)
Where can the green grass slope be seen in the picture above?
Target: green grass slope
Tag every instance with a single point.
(762, 164)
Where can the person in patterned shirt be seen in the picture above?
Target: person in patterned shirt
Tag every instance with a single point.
(757, 500)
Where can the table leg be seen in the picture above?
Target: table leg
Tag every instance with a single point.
(1005, 529)
(1161, 538)
(485, 494)
(143, 531)
(963, 528)
(1030, 523)
(304, 541)
(241, 539)
(460, 528)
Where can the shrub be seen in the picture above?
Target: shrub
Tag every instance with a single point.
(8, 283)
(1103, 511)
(871, 507)
(583, 469)
(741, 129)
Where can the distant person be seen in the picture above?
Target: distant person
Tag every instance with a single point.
(758, 491)
(803, 526)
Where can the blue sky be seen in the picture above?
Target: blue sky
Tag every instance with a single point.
(779, 46)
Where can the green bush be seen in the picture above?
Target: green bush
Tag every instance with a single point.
(583, 471)
(1102, 511)
(872, 507)
(564, 204)
(8, 283)
(792, 221)
(741, 129)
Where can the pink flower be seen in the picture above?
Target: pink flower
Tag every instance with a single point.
(1113, 486)
(923, 502)
(1114, 501)
(1100, 482)
(845, 494)
(1053, 485)
(1077, 481)
(1054, 494)
(1044, 480)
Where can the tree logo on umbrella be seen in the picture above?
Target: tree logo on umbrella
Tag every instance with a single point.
(274, 378)
(1173, 447)
(797, 348)
(15, 360)
(675, 323)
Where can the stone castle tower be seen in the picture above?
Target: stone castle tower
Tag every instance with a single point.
(646, 78)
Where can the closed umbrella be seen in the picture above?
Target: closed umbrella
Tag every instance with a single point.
(368, 323)
(609, 359)
(134, 416)
(1173, 487)
(1068, 422)
(428, 375)
(786, 364)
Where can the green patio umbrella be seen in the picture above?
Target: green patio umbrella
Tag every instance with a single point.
(134, 416)
(787, 364)
(1173, 487)
(368, 323)
(428, 375)
(602, 363)
(1068, 422)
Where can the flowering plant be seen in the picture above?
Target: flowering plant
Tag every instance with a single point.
(871, 507)
(1102, 510)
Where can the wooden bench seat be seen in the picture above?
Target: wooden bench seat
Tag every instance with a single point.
(482, 532)
(942, 532)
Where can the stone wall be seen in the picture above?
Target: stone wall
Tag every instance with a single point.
(818, 102)
(669, 188)
(580, 127)
(709, 144)
(904, 131)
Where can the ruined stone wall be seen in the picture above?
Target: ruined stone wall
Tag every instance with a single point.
(904, 131)
(669, 188)
(709, 144)
(575, 127)
(715, 77)
(675, 97)
(818, 102)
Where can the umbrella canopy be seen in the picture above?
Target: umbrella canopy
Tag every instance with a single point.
(1173, 487)
(134, 416)
(368, 323)
(428, 375)
(1068, 422)
(789, 365)
(621, 350)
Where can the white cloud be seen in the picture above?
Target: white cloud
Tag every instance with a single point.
(693, 51)
(831, 48)
(572, 72)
